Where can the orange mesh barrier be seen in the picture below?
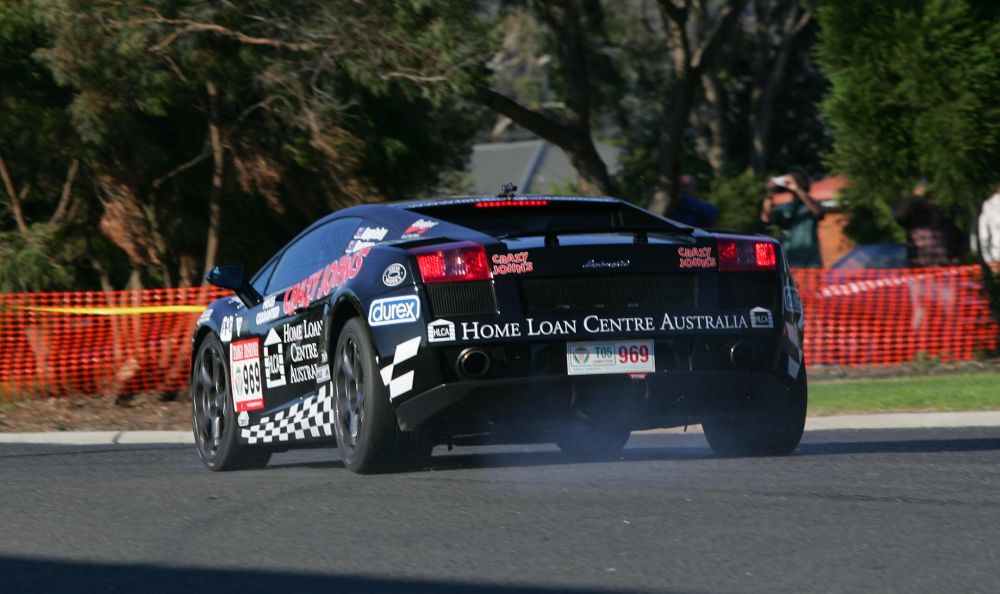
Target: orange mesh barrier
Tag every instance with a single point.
(884, 317)
(96, 343)
(128, 342)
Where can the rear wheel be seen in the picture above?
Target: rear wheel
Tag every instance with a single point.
(213, 417)
(368, 434)
(762, 433)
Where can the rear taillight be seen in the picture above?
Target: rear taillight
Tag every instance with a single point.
(746, 254)
(453, 262)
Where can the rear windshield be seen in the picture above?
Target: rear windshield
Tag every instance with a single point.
(554, 217)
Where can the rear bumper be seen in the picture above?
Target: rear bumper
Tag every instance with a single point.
(658, 400)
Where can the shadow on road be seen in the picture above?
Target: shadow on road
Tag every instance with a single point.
(910, 446)
(18, 574)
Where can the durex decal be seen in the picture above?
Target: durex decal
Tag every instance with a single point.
(394, 310)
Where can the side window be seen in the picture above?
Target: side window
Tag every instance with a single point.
(259, 281)
(311, 252)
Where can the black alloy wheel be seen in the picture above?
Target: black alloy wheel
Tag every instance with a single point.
(213, 417)
(368, 433)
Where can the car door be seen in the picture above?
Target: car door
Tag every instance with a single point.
(291, 317)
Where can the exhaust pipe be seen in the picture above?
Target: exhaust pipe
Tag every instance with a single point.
(742, 355)
(473, 363)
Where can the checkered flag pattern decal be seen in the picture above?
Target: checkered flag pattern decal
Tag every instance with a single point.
(404, 383)
(313, 417)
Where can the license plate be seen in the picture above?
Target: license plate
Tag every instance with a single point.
(610, 356)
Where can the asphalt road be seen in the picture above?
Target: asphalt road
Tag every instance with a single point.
(853, 511)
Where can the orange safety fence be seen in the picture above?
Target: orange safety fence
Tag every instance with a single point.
(129, 342)
(885, 317)
(97, 343)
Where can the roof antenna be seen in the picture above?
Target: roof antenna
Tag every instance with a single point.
(507, 191)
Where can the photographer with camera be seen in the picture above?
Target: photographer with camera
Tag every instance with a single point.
(797, 219)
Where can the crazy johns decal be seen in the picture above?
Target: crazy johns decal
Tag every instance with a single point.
(323, 281)
(696, 257)
(513, 263)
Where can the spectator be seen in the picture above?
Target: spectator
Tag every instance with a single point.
(797, 219)
(688, 209)
(989, 229)
(932, 238)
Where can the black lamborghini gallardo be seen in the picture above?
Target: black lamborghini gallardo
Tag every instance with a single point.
(393, 328)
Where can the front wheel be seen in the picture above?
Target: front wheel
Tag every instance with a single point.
(368, 434)
(762, 433)
(213, 417)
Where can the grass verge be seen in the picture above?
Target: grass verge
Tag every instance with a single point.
(976, 391)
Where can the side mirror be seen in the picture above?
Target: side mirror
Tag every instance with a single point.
(227, 277)
(231, 277)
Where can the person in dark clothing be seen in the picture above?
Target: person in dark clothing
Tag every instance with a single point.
(797, 219)
(932, 238)
(688, 209)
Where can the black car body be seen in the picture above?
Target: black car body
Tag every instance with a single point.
(519, 319)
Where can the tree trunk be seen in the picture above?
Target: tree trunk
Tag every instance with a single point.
(218, 170)
(672, 146)
(15, 199)
(717, 149)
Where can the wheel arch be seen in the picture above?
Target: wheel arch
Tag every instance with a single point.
(344, 309)
(199, 337)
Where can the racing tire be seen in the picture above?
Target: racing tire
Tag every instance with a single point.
(597, 442)
(367, 431)
(213, 417)
(753, 433)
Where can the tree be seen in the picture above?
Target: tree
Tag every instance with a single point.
(207, 126)
(914, 87)
(575, 35)
(692, 57)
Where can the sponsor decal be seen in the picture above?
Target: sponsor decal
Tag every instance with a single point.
(274, 360)
(243, 419)
(704, 322)
(205, 316)
(417, 228)
(323, 373)
(226, 329)
(513, 263)
(394, 275)
(440, 331)
(761, 318)
(303, 373)
(405, 351)
(302, 330)
(697, 257)
(239, 326)
(607, 264)
(300, 353)
(235, 302)
(356, 245)
(244, 368)
(370, 233)
(477, 331)
(394, 310)
(269, 311)
(320, 283)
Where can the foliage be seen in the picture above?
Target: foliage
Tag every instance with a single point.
(914, 87)
(210, 130)
(739, 201)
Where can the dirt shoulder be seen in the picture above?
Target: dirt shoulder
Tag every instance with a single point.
(143, 412)
(151, 412)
